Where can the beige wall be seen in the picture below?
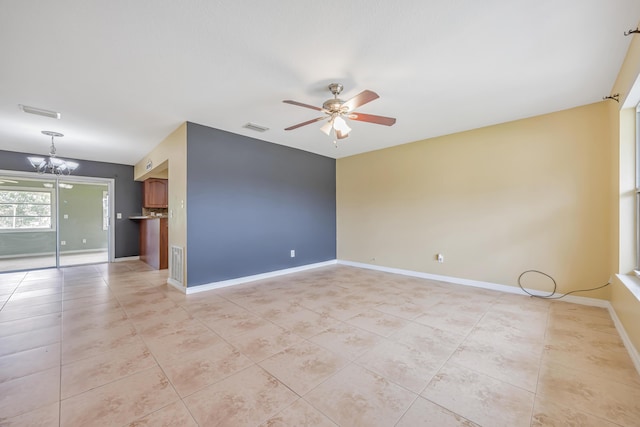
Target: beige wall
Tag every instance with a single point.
(529, 194)
(169, 159)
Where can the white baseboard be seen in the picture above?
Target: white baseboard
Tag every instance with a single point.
(474, 283)
(126, 258)
(246, 279)
(176, 285)
(633, 352)
(449, 279)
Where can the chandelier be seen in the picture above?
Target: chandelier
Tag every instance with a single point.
(52, 164)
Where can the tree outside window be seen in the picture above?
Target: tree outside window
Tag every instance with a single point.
(25, 210)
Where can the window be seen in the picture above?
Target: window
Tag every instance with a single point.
(26, 209)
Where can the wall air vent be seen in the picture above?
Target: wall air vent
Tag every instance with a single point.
(255, 127)
(40, 111)
(176, 265)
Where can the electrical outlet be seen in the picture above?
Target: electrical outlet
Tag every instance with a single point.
(66, 216)
(293, 253)
(119, 215)
(63, 242)
(84, 240)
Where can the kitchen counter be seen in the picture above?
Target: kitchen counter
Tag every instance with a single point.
(154, 240)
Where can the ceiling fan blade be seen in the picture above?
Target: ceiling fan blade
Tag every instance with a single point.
(380, 120)
(308, 122)
(360, 99)
(300, 104)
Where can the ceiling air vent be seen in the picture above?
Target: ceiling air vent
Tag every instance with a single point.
(255, 127)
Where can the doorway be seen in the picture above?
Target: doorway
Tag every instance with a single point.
(50, 222)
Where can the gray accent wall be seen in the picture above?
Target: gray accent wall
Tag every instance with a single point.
(128, 194)
(250, 202)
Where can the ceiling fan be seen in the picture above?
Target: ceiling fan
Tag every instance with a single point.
(336, 110)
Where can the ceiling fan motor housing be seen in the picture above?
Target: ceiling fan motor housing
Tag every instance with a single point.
(334, 106)
(336, 88)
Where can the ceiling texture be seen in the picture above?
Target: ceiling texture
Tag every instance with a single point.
(124, 74)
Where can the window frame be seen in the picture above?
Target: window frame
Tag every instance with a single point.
(637, 146)
(105, 210)
(52, 196)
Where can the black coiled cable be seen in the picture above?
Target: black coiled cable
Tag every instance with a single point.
(555, 287)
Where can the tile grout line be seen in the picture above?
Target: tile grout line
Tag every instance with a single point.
(61, 352)
(541, 358)
(85, 358)
(61, 347)
(158, 365)
(474, 370)
(180, 397)
(307, 340)
(13, 292)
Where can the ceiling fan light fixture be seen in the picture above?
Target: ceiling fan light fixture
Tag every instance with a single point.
(340, 135)
(326, 128)
(340, 125)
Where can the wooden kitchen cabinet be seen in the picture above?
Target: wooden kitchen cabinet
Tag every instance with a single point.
(154, 242)
(156, 193)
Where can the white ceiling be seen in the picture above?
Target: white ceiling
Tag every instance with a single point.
(124, 74)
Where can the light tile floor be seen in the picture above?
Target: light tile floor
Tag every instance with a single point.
(113, 345)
